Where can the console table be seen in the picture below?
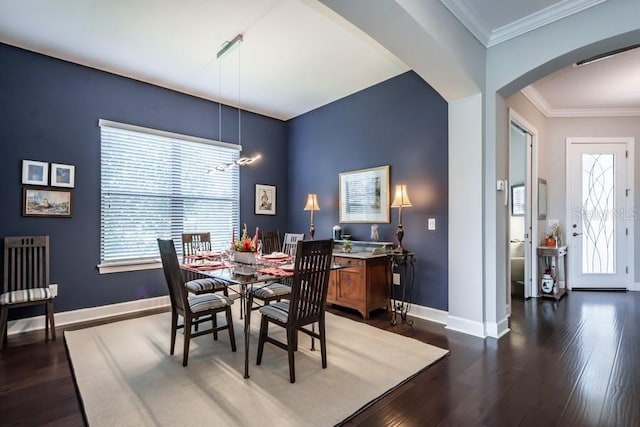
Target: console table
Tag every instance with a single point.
(405, 264)
(555, 260)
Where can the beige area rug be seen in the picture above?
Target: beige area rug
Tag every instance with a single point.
(126, 376)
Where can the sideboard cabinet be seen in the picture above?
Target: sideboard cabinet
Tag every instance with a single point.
(363, 285)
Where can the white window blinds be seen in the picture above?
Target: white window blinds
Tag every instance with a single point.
(156, 184)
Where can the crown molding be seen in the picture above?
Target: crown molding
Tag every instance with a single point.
(469, 19)
(489, 37)
(543, 106)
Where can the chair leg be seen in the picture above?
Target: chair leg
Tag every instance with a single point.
(264, 329)
(323, 342)
(51, 320)
(214, 322)
(232, 335)
(187, 340)
(291, 340)
(174, 331)
(3, 326)
(46, 322)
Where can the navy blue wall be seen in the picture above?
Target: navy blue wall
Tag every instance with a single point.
(49, 111)
(401, 122)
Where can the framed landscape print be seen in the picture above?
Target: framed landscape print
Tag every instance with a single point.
(364, 195)
(46, 202)
(35, 173)
(265, 199)
(62, 175)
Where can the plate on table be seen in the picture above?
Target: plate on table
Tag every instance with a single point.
(275, 256)
(204, 263)
(244, 271)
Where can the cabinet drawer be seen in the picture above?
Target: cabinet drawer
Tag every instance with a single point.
(351, 262)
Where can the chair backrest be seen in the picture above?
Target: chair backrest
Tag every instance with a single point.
(310, 281)
(290, 244)
(26, 263)
(172, 274)
(270, 241)
(193, 242)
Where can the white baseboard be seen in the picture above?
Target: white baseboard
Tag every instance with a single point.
(497, 330)
(466, 326)
(428, 313)
(86, 314)
(635, 287)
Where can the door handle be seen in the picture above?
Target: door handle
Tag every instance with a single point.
(576, 234)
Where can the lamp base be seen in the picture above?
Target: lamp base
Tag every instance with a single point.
(400, 235)
(312, 231)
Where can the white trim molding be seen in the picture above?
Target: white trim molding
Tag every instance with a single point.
(466, 326)
(470, 17)
(497, 330)
(428, 313)
(64, 318)
(543, 106)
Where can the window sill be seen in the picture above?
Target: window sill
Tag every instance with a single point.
(124, 267)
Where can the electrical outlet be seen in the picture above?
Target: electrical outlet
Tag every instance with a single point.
(53, 289)
(431, 224)
(396, 278)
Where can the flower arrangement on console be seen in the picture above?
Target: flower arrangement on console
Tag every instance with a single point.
(246, 243)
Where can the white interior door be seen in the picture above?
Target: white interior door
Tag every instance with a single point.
(599, 234)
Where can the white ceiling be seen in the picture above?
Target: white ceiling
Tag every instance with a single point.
(297, 55)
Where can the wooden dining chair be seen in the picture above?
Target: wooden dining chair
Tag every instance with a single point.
(306, 304)
(26, 280)
(270, 241)
(195, 309)
(277, 291)
(290, 243)
(194, 242)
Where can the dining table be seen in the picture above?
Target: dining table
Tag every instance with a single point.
(247, 277)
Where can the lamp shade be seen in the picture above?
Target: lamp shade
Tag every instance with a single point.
(401, 198)
(312, 203)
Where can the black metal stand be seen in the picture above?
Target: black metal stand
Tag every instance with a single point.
(404, 262)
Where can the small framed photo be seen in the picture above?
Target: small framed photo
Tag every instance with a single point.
(265, 199)
(46, 202)
(518, 201)
(35, 173)
(62, 175)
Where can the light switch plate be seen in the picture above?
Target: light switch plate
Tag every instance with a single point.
(431, 224)
(53, 289)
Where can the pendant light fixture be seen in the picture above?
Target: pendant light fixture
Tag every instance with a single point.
(241, 161)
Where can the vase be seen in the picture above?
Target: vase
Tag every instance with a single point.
(244, 257)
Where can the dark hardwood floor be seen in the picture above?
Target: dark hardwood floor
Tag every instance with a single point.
(575, 362)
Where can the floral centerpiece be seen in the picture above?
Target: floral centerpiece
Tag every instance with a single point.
(245, 247)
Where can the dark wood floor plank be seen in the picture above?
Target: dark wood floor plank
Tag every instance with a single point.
(571, 362)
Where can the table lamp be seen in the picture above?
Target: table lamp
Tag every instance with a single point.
(401, 200)
(312, 205)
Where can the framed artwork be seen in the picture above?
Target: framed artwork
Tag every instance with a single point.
(265, 199)
(35, 173)
(364, 195)
(542, 198)
(62, 175)
(46, 202)
(517, 200)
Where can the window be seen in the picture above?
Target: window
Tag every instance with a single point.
(156, 184)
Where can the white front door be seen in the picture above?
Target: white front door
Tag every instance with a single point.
(599, 177)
